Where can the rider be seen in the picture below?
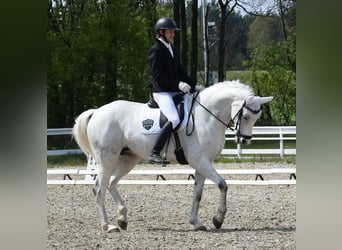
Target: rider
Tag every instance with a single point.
(168, 79)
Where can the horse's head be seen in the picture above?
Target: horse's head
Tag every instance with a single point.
(245, 114)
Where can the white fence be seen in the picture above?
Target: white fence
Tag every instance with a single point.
(70, 174)
(269, 133)
(282, 134)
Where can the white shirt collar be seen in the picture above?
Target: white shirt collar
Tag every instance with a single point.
(168, 45)
(165, 43)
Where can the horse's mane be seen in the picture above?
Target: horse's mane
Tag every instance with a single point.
(236, 89)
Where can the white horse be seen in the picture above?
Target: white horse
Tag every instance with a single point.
(111, 135)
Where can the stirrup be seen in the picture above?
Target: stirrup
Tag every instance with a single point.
(157, 159)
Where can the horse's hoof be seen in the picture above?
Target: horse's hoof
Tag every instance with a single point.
(201, 228)
(111, 228)
(122, 224)
(217, 223)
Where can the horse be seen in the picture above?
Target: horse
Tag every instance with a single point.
(110, 134)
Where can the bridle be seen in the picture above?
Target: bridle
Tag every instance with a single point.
(238, 122)
(238, 116)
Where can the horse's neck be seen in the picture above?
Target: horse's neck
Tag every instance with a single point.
(218, 103)
(219, 98)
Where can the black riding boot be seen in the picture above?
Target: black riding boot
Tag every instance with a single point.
(164, 134)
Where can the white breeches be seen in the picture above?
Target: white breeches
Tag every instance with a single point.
(167, 106)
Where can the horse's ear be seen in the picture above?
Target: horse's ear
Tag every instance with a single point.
(257, 100)
(251, 99)
(265, 99)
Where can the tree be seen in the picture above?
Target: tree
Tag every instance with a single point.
(263, 31)
(177, 18)
(181, 42)
(224, 12)
(194, 40)
(272, 61)
(97, 53)
(272, 75)
(287, 10)
(184, 48)
(237, 27)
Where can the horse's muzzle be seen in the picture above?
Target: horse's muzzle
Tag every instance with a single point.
(242, 140)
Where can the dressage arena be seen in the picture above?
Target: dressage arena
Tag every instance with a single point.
(258, 217)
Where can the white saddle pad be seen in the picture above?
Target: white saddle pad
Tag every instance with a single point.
(149, 120)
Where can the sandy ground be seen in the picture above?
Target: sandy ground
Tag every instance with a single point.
(258, 217)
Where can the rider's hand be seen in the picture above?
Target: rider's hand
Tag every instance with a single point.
(184, 87)
(198, 88)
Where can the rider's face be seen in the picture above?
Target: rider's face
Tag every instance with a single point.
(169, 35)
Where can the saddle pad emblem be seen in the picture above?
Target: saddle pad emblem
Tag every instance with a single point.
(148, 124)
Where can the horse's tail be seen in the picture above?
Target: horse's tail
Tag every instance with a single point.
(79, 131)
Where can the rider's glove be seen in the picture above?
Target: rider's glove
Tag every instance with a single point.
(184, 87)
(198, 88)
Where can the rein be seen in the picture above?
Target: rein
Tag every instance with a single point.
(215, 116)
(194, 99)
(238, 114)
(192, 115)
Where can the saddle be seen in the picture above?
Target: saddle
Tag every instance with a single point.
(179, 102)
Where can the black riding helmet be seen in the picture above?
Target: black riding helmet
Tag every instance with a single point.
(166, 23)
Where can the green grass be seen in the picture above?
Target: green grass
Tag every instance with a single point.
(290, 144)
(256, 158)
(54, 161)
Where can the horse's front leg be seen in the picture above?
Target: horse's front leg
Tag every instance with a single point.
(207, 170)
(222, 209)
(198, 190)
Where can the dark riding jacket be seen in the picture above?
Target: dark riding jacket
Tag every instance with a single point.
(166, 70)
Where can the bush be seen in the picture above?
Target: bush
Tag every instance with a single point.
(272, 75)
(243, 76)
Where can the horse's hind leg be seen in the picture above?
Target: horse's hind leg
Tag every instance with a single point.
(198, 189)
(100, 187)
(124, 165)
